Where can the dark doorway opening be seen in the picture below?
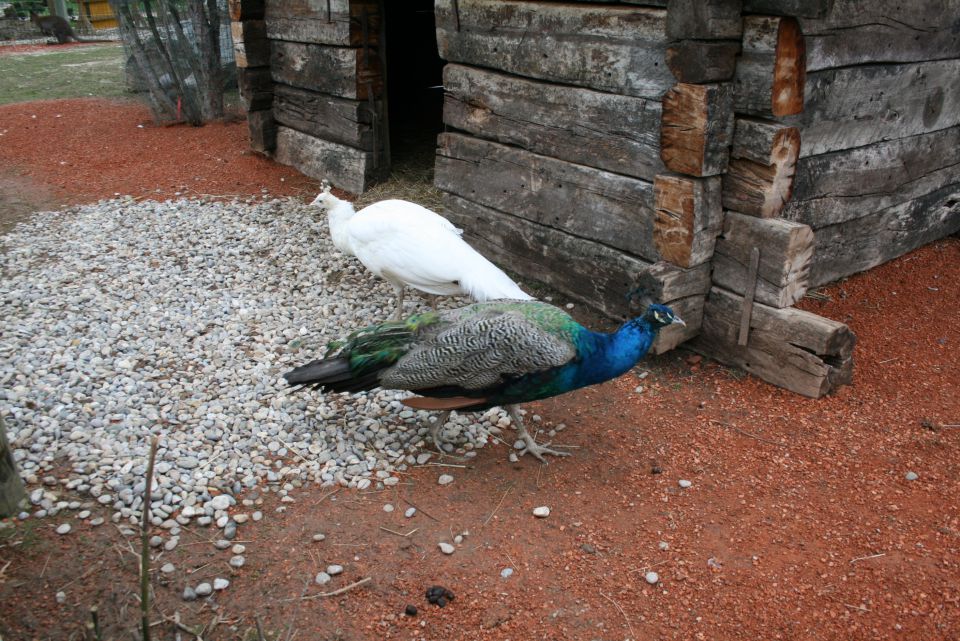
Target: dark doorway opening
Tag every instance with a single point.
(414, 78)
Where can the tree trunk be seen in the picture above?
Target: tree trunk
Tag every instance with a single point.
(11, 486)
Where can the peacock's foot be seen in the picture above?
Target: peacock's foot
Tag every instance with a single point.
(533, 447)
(538, 450)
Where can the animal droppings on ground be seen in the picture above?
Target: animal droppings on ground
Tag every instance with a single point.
(439, 595)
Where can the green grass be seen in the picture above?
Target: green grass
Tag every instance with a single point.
(73, 72)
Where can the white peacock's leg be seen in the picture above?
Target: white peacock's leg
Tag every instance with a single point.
(399, 315)
(537, 450)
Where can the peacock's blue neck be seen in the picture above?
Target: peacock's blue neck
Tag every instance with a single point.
(606, 356)
(600, 357)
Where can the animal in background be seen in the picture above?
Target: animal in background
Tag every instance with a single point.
(59, 28)
(407, 244)
(483, 355)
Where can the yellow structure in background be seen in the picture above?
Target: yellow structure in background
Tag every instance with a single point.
(100, 14)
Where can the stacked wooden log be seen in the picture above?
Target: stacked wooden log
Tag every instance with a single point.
(310, 77)
(551, 170)
(252, 53)
(879, 166)
(726, 125)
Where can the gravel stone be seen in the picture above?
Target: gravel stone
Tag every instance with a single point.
(388, 508)
(912, 476)
(322, 578)
(167, 568)
(319, 537)
(64, 528)
(651, 577)
(684, 483)
(204, 589)
(237, 561)
(183, 312)
(445, 479)
(189, 594)
(410, 512)
(541, 512)
(506, 573)
(220, 584)
(334, 570)
(446, 548)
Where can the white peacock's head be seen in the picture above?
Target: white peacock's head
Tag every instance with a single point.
(324, 199)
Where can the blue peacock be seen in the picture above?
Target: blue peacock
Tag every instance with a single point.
(483, 355)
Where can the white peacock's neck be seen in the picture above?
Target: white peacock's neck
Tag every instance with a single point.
(338, 216)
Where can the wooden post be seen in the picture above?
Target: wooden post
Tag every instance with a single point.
(696, 128)
(803, 352)
(699, 61)
(704, 19)
(688, 218)
(11, 485)
(759, 179)
(250, 45)
(246, 9)
(784, 265)
(748, 296)
(771, 73)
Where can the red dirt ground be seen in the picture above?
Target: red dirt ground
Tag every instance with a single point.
(799, 523)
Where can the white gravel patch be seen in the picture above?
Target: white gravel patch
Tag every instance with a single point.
(124, 319)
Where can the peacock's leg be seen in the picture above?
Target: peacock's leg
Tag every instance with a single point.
(432, 299)
(399, 315)
(437, 427)
(537, 450)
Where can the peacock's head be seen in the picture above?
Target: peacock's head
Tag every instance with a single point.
(325, 200)
(658, 316)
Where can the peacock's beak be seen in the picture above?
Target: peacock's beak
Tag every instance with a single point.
(677, 319)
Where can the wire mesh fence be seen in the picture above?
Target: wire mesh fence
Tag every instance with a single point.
(179, 54)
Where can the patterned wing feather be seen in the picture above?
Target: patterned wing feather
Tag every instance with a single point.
(480, 348)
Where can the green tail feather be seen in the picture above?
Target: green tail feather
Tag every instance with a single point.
(381, 345)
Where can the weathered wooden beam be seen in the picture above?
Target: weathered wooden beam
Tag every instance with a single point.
(796, 8)
(857, 245)
(256, 88)
(771, 73)
(881, 31)
(852, 183)
(263, 131)
(696, 127)
(689, 216)
(340, 71)
(856, 106)
(793, 349)
(251, 48)
(246, 9)
(704, 19)
(614, 48)
(786, 251)
(589, 203)
(605, 278)
(337, 22)
(328, 117)
(760, 176)
(703, 61)
(345, 167)
(607, 131)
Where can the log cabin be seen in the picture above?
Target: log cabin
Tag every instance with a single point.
(722, 156)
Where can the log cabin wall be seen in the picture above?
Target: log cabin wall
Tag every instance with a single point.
(844, 157)
(553, 116)
(722, 156)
